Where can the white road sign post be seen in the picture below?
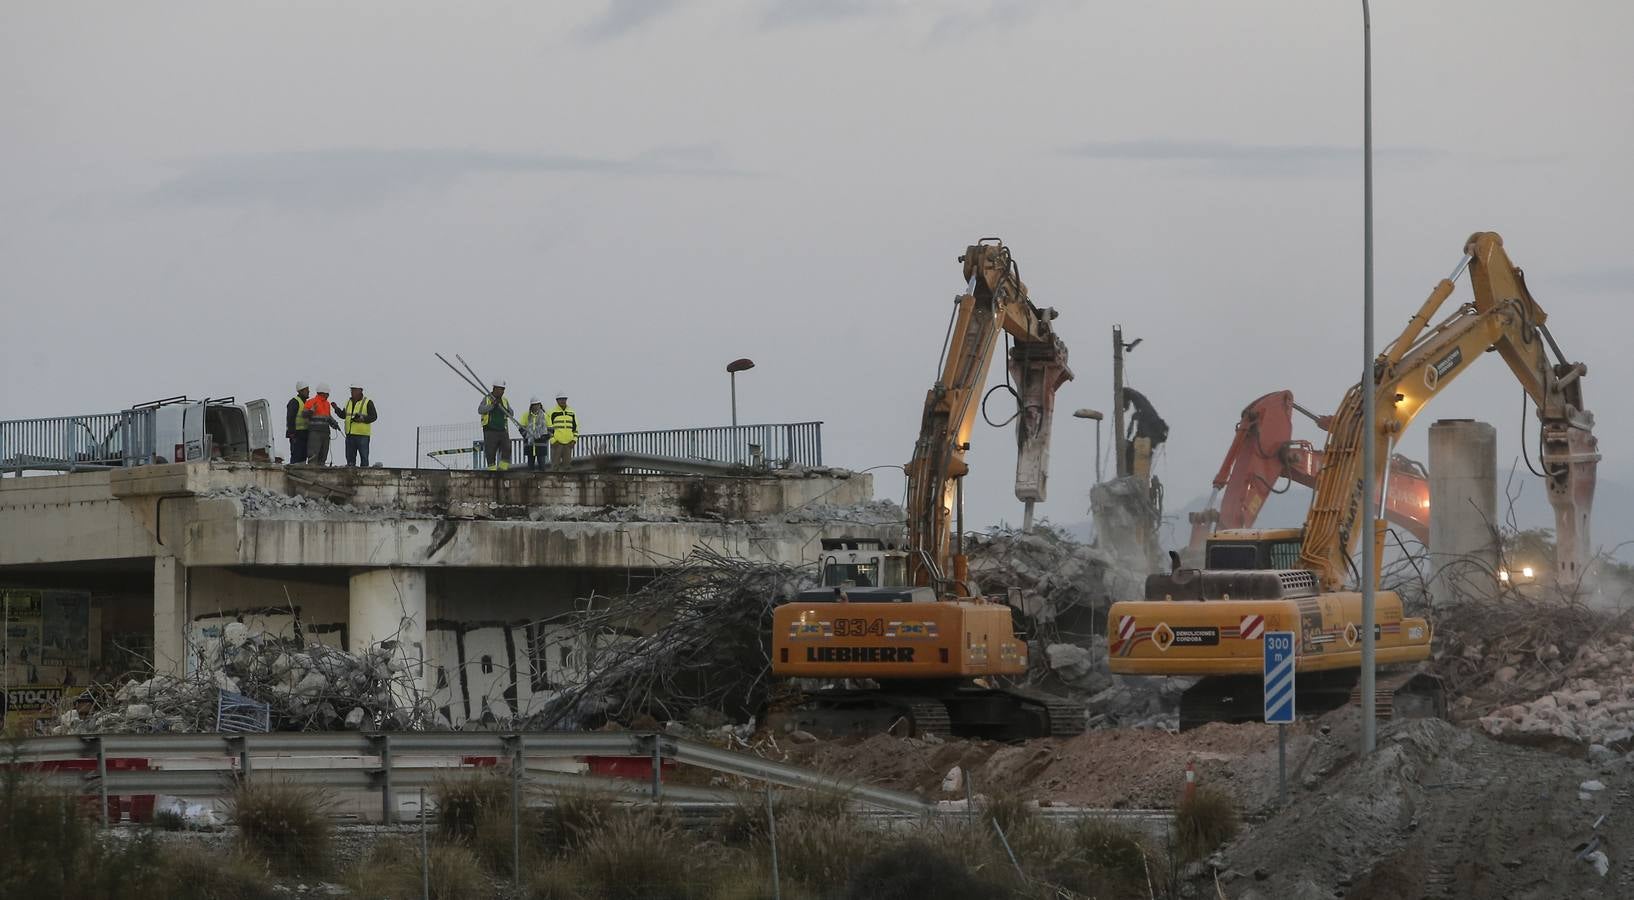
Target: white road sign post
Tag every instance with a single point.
(1279, 698)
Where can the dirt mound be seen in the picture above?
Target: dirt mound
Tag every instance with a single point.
(1125, 768)
(1440, 811)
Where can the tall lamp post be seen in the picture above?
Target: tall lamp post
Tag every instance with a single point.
(1096, 415)
(1368, 685)
(732, 369)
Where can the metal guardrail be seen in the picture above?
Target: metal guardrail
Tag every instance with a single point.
(308, 759)
(777, 445)
(63, 443)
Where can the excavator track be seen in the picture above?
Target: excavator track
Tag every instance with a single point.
(1003, 714)
(1066, 717)
(1402, 693)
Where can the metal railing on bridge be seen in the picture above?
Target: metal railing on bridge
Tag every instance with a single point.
(774, 446)
(70, 443)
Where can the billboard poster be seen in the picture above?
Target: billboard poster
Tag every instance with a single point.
(32, 709)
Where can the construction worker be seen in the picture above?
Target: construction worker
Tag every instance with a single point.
(359, 416)
(495, 411)
(564, 431)
(295, 423)
(535, 431)
(320, 420)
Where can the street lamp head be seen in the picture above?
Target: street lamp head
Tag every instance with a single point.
(739, 365)
(1089, 414)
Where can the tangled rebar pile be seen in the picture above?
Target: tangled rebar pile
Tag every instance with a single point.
(698, 646)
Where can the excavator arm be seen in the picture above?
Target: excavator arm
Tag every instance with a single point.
(995, 303)
(1263, 452)
(1412, 371)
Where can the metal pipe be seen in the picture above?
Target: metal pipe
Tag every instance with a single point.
(1369, 738)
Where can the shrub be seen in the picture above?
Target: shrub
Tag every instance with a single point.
(462, 799)
(392, 872)
(572, 816)
(1105, 860)
(44, 837)
(1203, 823)
(638, 856)
(821, 850)
(49, 847)
(286, 824)
(191, 873)
(914, 869)
(167, 819)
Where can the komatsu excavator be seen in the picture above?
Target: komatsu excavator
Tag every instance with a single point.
(1210, 622)
(907, 617)
(1263, 452)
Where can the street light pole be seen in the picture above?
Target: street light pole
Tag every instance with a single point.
(732, 370)
(1369, 391)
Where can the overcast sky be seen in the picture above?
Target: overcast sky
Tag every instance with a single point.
(617, 198)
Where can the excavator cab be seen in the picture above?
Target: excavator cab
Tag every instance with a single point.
(865, 569)
(1253, 548)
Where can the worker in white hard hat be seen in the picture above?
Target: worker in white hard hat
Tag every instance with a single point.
(358, 417)
(564, 431)
(535, 431)
(295, 422)
(495, 411)
(320, 417)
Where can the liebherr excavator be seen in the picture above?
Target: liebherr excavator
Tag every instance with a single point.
(1264, 451)
(1210, 621)
(909, 618)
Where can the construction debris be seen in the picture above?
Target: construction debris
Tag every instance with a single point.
(1546, 670)
(1066, 589)
(1439, 811)
(693, 643)
(318, 688)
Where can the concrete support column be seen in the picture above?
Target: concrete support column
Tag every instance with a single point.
(388, 606)
(1463, 508)
(170, 619)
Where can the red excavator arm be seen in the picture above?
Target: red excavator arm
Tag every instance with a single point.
(1253, 466)
(1263, 452)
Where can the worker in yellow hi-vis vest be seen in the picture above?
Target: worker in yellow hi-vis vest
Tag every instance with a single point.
(358, 418)
(564, 431)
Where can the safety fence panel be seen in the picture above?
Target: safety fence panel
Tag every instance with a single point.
(64, 443)
(775, 446)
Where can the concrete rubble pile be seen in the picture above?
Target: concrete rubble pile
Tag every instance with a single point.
(697, 648)
(1593, 708)
(1066, 589)
(260, 503)
(317, 688)
(1540, 669)
(1437, 810)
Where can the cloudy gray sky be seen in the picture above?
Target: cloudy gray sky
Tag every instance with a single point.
(616, 197)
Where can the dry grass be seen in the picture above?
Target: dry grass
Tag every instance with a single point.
(570, 817)
(1203, 823)
(49, 847)
(915, 868)
(637, 856)
(462, 800)
(392, 872)
(287, 825)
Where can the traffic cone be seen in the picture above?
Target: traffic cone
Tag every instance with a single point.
(1191, 783)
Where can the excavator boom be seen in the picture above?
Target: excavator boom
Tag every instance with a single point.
(1263, 453)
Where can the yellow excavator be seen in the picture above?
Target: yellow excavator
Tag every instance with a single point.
(1210, 622)
(907, 617)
